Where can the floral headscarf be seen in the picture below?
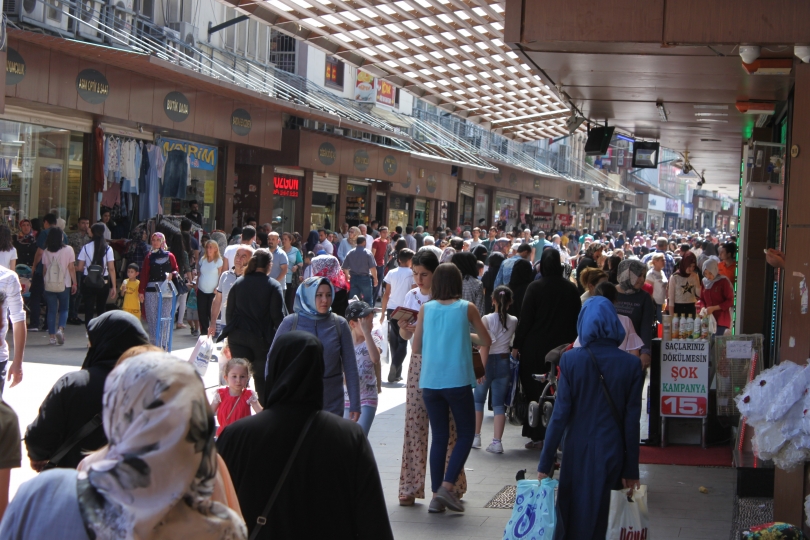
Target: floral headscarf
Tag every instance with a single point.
(305, 298)
(447, 254)
(329, 267)
(501, 245)
(162, 241)
(156, 476)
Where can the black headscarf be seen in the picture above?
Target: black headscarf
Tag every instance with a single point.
(466, 263)
(522, 276)
(313, 239)
(111, 334)
(480, 253)
(295, 372)
(550, 265)
(496, 258)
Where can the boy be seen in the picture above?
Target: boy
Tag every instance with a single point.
(129, 290)
(658, 279)
(397, 282)
(360, 317)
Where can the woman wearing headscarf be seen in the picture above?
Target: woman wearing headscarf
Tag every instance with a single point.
(329, 267)
(471, 289)
(636, 303)
(717, 295)
(312, 240)
(496, 258)
(522, 276)
(158, 268)
(589, 260)
(548, 319)
(153, 480)
(447, 255)
(313, 314)
(76, 397)
(601, 450)
(684, 287)
(254, 313)
(256, 450)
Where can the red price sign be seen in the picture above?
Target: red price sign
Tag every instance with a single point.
(683, 406)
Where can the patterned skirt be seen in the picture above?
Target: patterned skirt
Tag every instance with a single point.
(415, 447)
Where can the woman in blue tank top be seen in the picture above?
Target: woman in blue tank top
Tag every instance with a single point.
(443, 339)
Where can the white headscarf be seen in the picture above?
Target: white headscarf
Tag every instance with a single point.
(155, 478)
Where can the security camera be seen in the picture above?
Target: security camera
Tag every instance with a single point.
(802, 52)
(749, 53)
(687, 168)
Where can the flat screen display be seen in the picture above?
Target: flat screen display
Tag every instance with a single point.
(598, 141)
(645, 155)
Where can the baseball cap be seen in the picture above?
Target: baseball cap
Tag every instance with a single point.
(358, 310)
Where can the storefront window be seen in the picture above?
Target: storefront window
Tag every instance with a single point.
(40, 172)
(398, 209)
(506, 212)
(285, 193)
(481, 206)
(356, 204)
(202, 160)
(323, 211)
(420, 213)
(466, 214)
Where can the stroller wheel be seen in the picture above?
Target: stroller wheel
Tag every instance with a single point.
(548, 408)
(534, 414)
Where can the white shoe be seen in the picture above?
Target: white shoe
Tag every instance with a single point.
(60, 337)
(477, 441)
(495, 447)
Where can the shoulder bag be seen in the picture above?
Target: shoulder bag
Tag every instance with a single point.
(95, 271)
(261, 521)
(74, 439)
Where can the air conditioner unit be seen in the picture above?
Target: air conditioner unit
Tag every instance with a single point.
(50, 14)
(606, 206)
(764, 195)
(120, 17)
(88, 16)
(588, 197)
(188, 32)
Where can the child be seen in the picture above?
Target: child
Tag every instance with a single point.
(361, 318)
(308, 265)
(397, 283)
(658, 280)
(129, 290)
(501, 327)
(233, 402)
(192, 315)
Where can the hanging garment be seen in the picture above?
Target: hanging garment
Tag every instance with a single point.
(112, 196)
(150, 196)
(143, 172)
(175, 175)
(98, 160)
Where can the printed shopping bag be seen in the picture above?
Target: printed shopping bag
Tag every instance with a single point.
(629, 519)
(201, 355)
(533, 516)
(512, 383)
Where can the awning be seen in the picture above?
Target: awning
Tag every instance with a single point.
(396, 120)
(646, 187)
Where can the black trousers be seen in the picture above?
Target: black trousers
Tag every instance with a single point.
(289, 296)
(95, 301)
(243, 344)
(35, 299)
(204, 302)
(397, 348)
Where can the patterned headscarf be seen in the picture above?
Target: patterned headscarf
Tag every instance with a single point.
(329, 267)
(156, 476)
(629, 272)
(305, 298)
(447, 255)
(162, 241)
(501, 245)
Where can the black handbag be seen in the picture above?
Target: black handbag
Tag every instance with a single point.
(179, 284)
(519, 411)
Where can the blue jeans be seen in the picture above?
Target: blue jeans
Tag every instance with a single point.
(380, 288)
(360, 286)
(497, 379)
(439, 404)
(367, 413)
(63, 298)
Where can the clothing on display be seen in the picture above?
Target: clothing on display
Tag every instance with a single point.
(176, 175)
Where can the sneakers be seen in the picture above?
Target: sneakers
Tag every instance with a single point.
(52, 340)
(436, 506)
(449, 500)
(33, 329)
(60, 336)
(477, 441)
(495, 447)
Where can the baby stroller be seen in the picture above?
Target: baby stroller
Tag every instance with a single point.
(540, 411)
(25, 274)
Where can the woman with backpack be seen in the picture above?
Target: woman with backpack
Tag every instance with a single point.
(97, 262)
(157, 268)
(60, 282)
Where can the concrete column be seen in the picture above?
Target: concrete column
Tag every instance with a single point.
(340, 205)
(305, 203)
(229, 181)
(371, 203)
(266, 188)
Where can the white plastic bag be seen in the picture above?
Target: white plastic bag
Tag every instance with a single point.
(380, 333)
(628, 518)
(201, 355)
(791, 393)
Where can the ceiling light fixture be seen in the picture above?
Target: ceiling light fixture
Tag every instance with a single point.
(749, 53)
(546, 113)
(662, 112)
(802, 52)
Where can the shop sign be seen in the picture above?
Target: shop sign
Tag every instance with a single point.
(15, 67)
(407, 183)
(176, 106)
(386, 93)
(361, 160)
(354, 188)
(513, 180)
(241, 122)
(673, 206)
(541, 207)
(200, 156)
(285, 186)
(364, 87)
(685, 378)
(327, 154)
(498, 178)
(687, 211)
(657, 203)
(390, 165)
(565, 219)
(431, 183)
(537, 184)
(92, 86)
(480, 174)
(398, 203)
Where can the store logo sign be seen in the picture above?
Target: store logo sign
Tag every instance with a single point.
(176, 106)
(390, 165)
(498, 177)
(327, 154)
(285, 186)
(407, 183)
(513, 180)
(480, 174)
(15, 67)
(537, 184)
(199, 156)
(92, 86)
(241, 123)
(431, 184)
(361, 160)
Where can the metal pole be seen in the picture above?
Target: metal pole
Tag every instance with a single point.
(663, 432)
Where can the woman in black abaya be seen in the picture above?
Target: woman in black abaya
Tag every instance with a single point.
(522, 276)
(548, 319)
(334, 452)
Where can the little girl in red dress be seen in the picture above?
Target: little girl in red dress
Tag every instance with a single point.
(234, 401)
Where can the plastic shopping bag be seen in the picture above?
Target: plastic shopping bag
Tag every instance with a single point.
(533, 515)
(512, 384)
(201, 355)
(380, 334)
(629, 519)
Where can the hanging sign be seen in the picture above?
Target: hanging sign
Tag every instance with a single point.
(386, 93)
(200, 156)
(92, 86)
(390, 165)
(176, 106)
(685, 378)
(364, 87)
(361, 160)
(285, 186)
(15, 67)
(327, 154)
(241, 123)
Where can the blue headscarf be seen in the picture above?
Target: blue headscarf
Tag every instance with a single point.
(598, 320)
(305, 298)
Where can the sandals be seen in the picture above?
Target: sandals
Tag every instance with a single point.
(407, 501)
(533, 445)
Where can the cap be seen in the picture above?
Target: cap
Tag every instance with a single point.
(358, 310)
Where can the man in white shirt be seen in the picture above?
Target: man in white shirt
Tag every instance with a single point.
(248, 235)
(397, 283)
(226, 281)
(11, 306)
(369, 238)
(323, 240)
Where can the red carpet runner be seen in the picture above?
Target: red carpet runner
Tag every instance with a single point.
(717, 456)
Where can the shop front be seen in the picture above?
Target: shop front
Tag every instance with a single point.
(542, 214)
(355, 202)
(429, 189)
(483, 197)
(197, 184)
(507, 209)
(421, 213)
(287, 185)
(325, 193)
(399, 210)
(672, 214)
(466, 198)
(656, 206)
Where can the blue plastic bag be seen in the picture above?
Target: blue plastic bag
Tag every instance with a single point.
(512, 383)
(533, 516)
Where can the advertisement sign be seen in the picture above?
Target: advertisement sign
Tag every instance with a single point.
(673, 206)
(364, 87)
(687, 211)
(541, 207)
(566, 220)
(200, 156)
(657, 203)
(685, 378)
(386, 93)
(285, 186)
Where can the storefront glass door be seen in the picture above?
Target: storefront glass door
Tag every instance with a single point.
(284, 214)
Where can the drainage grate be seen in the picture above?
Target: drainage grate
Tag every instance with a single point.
(750, 511)
(505, 498)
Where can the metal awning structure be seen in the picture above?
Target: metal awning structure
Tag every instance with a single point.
(449, 52)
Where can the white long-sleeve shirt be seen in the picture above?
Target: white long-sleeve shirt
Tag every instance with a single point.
(13, 307)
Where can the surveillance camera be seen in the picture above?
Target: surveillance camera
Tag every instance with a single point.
(687, 168)
(749, 53)
(802, 52)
